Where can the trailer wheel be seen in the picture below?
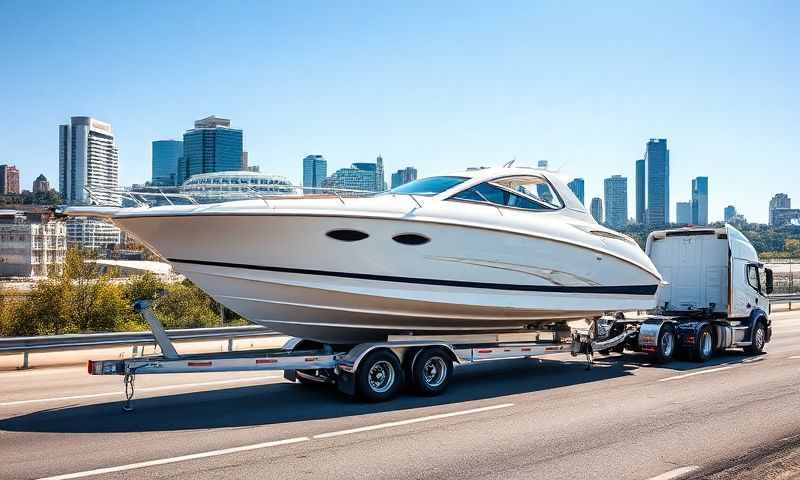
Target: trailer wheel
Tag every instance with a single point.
(704, 345)
(431, 371)
(379, 376)
(758, 339)
(665, 348)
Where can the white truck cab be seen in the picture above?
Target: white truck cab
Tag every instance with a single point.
(715, 271)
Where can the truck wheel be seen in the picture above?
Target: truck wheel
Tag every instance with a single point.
(431, 371)
(379, 376)
(665, 348)
(758, 339)
(703, 346)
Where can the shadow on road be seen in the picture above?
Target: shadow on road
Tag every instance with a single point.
(286, 402)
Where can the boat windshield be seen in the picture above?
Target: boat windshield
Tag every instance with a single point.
(428, 186)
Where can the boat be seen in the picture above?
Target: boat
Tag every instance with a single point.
(504, 249)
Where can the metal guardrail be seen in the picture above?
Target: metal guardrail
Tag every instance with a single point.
(784, 298)
(9, 345)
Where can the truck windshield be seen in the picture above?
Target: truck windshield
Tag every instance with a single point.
(428, 186)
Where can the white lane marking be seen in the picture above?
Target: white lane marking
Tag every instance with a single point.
(182, 458)
(141, 389)
(412, 420)
(677, 473)
(794, 357)
(692, 374)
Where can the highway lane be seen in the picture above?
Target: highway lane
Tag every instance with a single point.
(512, 419)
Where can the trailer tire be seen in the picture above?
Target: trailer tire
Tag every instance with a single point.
(379, 376)
(665, 347)
(431, 371)
(757, 339)
(703, 345)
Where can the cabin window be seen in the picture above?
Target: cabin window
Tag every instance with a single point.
(525, 192)
(428, 186)
(347, 235)
(411, 239)
(753, 278)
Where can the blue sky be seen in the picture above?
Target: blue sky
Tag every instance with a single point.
(437, 85)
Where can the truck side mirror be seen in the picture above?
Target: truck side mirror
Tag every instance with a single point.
(768, 272)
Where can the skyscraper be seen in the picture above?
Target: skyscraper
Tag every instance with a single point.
(211, 146)
(700, 201)
(9, 180)
(315, 170)
(360, 176)
(576, 185)
(41, 185)
(730, 212)
(641, 199)
(403, 176)
(88, 157)
(780, 200)
(596, 209)
(683, 212)
(616, 197)
(657, 185)
(166, 155)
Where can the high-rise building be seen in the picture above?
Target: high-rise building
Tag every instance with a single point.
(785, 216)
(245, 161)
(403, 176)
(657, 185)
(9, 180)
(211, 146)
(596, 209)
(730, 212)
(315, 170)
(166, 155)
(576, 185)
(641, 187)
(616, 199)
(780, 200)
(683, 211)
(91, 233)
(33, 244)
(360, 176)
(88, 158)
(41, 185)
(700, 201)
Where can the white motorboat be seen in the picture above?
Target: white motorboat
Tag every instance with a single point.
(489, 250)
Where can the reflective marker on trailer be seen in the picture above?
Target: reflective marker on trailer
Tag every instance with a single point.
(266, 360)
(200, 364)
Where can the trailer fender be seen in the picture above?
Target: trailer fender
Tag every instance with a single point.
(649, 331)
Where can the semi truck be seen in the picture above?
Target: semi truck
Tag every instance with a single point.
(715, 298)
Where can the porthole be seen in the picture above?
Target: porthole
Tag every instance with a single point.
(347, 235)
(411, 239)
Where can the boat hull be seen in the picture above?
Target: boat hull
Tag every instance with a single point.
(284, 272)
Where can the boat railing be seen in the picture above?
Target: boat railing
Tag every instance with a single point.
(156, 196)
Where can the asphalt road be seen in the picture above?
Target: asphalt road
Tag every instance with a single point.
(734, 417)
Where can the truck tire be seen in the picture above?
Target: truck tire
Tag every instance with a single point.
(431, 371)
(379, 376)
(665, 348)
(758, 339)
(703, 345)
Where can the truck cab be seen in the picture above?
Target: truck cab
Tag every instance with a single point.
(715, 294)
(712, 271)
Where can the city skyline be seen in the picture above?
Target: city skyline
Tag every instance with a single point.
(531, 81)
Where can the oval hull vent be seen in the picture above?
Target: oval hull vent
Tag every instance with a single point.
(411, 239)
(347, 235)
